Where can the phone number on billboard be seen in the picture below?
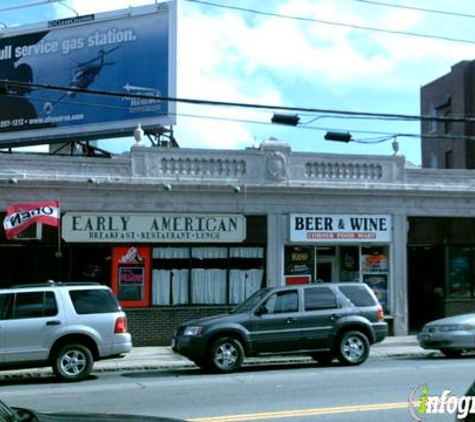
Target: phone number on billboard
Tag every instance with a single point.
(11, 123)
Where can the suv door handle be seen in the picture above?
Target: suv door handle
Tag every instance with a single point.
(290, 320)
(55, 322)
(334, 316)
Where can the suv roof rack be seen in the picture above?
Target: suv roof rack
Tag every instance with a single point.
(52, 283)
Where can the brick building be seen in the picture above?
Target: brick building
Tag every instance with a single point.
(444, 143)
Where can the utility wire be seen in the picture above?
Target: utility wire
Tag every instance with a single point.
(68, 7)
(333, 23)
(380, 136)
(5, 84)
(418, 9)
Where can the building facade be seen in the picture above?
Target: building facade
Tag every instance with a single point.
(183, 233)
(445, 144)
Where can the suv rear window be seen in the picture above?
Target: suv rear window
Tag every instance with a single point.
(94, 301)
(358, 295)
(319, 298)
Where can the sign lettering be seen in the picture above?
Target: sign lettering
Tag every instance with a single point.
(340, 228)
(151, 228)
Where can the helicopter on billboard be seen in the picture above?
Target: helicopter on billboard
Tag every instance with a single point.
(86, 72)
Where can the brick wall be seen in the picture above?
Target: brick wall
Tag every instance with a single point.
(155, 326)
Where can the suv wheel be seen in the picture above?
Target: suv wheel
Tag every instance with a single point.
(226, 355)
(73, 362)
(353, 348)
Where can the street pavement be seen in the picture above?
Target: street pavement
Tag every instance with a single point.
(162, 358)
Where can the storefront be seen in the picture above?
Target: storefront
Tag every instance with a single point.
(441, 262)
(341, 247)
(169, 261)
(186, 233)
(163, 267)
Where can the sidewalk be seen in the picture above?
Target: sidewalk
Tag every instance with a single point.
(162, 358)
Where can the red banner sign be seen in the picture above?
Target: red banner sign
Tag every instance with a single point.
(21, 216)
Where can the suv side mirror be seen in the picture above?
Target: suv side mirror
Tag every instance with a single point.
(261, 310)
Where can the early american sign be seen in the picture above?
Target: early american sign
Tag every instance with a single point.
(153, 228)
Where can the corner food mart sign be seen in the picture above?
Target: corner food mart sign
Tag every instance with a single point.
(152, 228)
(314, 228)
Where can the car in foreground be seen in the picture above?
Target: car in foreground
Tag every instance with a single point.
(324, 320)
(452, 335)
(467, 414)
(17, 414)
(67, 326)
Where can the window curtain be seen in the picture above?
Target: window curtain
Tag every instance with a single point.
(170, 287)
(243, 283)
(161, 287)
(246, 252)
(171, 253)
(208, 286)
(209, 253)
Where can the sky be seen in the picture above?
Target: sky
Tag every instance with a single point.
(324, 62)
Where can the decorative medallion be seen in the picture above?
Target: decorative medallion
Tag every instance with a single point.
(277, 167)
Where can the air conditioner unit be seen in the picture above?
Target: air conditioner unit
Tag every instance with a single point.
(34, 232)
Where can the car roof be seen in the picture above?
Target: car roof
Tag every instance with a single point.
(55, 285)
(309, 285)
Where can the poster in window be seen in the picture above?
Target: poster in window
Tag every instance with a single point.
(375, 262)
(131, 275)
(379, 285)
(459, 275)
(299, 264)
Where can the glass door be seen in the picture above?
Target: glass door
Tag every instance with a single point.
(326, 269)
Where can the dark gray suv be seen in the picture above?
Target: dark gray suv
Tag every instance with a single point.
(325, 321)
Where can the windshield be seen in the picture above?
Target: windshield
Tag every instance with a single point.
(251, 302)
(6, 414)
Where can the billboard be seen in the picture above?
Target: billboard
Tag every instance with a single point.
(127, 57)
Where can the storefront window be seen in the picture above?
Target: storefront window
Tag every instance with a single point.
(349, 263)
(299, 264)
(459, 272)
(375, 268)
(246, 272)
(91, 264)
(370, 264)
(209, 275)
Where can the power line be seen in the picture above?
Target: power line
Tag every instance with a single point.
(333, 23)
(418, 9)
(380, 136)
(306, 125)
(5, 84)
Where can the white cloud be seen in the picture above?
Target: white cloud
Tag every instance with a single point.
(227, 55)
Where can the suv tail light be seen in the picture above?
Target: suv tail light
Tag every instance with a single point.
(120, 325)
(380, 313)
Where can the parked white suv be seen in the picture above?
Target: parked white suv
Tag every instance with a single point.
(67, 326)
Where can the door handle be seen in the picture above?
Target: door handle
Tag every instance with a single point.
(334, 316)
(290, 320)
(55, 322)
